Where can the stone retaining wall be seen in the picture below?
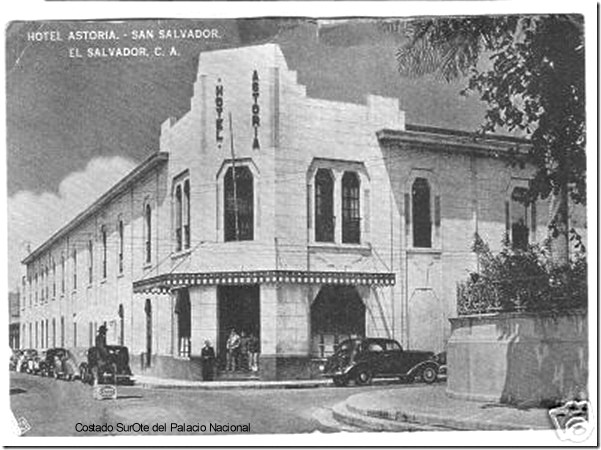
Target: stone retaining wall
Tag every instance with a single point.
(519, 358)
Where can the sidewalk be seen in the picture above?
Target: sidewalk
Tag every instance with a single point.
(167, 383)
(429, 408)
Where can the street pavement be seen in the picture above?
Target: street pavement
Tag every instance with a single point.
(54, 407)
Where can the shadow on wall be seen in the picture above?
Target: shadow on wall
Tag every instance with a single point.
(524, 359)
(549, 367)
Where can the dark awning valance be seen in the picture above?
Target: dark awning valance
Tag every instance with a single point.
(166, 282)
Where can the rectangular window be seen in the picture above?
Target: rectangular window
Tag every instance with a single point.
(239, 205)
(186, 214)
(519, 211)
(90, 261)
(422, 222)
(120, 246)
(53, 279)
(324, 206)
(74, 334)
(178, 218)
(62, 274)
(74, 269)
(148, 233)
(62, 331)
(103, 234)
(351, 221)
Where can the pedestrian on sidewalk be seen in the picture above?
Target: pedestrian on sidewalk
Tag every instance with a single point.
(207, 356)
(232, 347)
(253, 352)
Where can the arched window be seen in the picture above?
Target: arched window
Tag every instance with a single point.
(351, 220)
(324, 206)
(103, 237)
(186, 214)
(178, 218)
(121, 245)
(148, 232)
(239, 205)
(519, 211)
(422, 221)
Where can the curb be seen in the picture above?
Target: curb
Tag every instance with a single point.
(347, 415)
(252, 384)
(231, 385)
(435, 421)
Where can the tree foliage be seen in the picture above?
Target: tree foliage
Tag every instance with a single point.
(522, 280)
(530, 72)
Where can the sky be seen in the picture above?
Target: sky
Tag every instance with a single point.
(75, 126)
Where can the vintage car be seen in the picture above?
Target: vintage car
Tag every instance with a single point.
(15, 357)
(36, 364)
(26, 361)
(60, 363)
(115, 369)
(362, 359)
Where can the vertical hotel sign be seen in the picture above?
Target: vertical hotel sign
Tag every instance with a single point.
(256, 120)
(219, 111)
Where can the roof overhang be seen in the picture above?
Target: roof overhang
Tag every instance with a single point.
(167, 282)
(438, 139)
(140, 171)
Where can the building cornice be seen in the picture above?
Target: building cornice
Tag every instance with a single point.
(141, 170)
(431, 138)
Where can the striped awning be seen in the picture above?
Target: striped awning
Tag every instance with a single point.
(167, 282)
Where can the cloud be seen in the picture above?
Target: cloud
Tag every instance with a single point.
(33, 218)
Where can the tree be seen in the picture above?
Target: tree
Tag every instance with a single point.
(529, 70)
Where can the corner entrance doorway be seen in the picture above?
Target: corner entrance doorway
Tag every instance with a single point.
(337, 313)
(238, 309)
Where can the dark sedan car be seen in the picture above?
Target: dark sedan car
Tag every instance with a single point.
(362, 359)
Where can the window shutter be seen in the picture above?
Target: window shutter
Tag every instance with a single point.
(366, 210)
(437, 210)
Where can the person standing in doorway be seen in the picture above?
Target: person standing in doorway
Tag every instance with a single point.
(243, 357)
(233, 348)
(253, 352)
(207, 356)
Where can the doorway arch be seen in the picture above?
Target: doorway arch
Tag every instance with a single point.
(337, 313)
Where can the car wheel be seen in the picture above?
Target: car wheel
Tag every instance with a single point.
(363, 377)
(429, 374)
(340, 381)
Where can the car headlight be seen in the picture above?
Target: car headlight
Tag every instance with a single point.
(322, 367)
